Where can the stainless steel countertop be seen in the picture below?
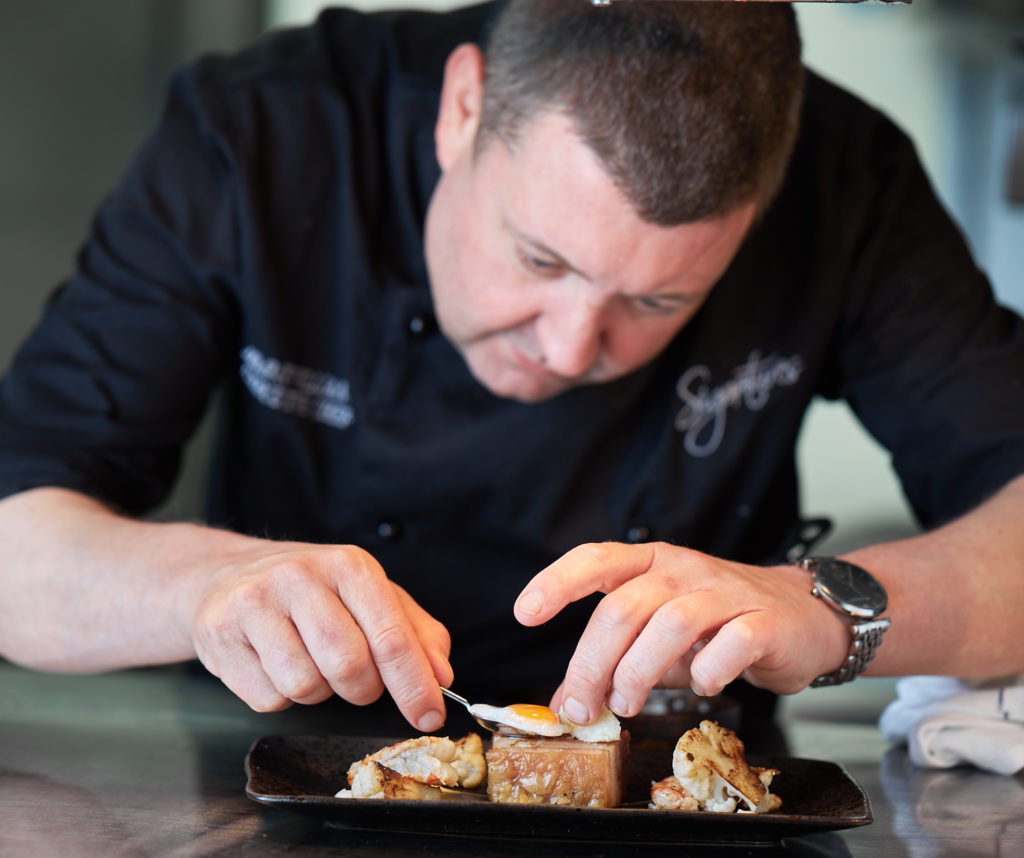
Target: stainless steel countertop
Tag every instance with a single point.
(151, 763)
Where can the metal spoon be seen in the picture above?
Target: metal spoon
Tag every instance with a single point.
(487, 724)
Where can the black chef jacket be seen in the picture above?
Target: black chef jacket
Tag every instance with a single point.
(267, 242)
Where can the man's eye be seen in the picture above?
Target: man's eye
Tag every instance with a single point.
(655, 306)
(547, 267)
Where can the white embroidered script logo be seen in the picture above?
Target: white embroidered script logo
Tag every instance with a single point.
(702, 418)
(295, 389)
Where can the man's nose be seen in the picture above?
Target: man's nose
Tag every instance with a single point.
(571, 337)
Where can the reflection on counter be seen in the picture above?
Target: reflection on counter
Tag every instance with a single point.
(937, 808)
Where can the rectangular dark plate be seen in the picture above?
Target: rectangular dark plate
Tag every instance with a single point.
(302, 773)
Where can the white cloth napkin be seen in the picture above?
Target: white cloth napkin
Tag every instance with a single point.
(948, 722)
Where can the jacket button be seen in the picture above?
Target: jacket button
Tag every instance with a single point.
(638, 533)
(389, 531)
(421, 325)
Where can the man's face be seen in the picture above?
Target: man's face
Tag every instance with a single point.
(544, 277)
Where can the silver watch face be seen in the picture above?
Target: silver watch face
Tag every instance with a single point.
(849, 587)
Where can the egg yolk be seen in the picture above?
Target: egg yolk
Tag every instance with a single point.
(534, 712)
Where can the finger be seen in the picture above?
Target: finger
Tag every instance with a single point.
(591, 568)
(660, 646)
(400, 658)
(612, 631)
(225, 651)
(433, 636)
(738, 645)
(284, 657)
(665, 643)
(678, 674)
(337, 650)
(240, 670)
(251, 684)
(283, 617)
(634, 636)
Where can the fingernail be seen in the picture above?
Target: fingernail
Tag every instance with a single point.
(617, 703)
(575, 711)
(530, 603)
(698, 689)
(430, 722)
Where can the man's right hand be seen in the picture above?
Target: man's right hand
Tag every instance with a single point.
(296, 623)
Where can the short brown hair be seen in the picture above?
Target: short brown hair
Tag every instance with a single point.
(693, 107)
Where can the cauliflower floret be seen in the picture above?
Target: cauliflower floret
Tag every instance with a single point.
(770, 801)
(719, 804)
(709, 764)
(701, 780)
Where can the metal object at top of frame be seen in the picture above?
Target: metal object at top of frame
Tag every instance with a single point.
(886, 2)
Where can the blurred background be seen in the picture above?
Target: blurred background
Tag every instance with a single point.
(81, 82)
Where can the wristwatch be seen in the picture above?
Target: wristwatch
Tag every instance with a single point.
(856, 593)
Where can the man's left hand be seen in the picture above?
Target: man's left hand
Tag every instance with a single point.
(675, 617)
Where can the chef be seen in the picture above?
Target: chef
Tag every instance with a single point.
(512, 322)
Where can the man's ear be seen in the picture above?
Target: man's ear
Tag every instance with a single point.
(461, 100)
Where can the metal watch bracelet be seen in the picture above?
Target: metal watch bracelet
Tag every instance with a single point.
(866, 638)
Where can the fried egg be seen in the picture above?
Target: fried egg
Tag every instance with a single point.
(530, 719)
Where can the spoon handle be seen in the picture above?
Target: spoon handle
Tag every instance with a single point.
(458, 698)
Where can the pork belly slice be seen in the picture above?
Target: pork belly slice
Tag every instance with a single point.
(567, 772)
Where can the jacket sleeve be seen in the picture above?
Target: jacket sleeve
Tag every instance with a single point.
(106, 390)
(929, 360)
